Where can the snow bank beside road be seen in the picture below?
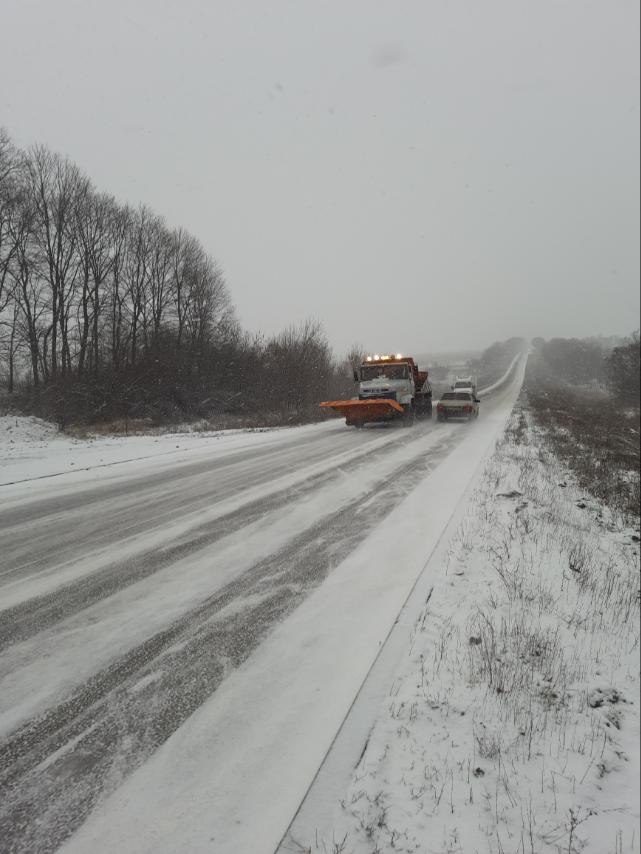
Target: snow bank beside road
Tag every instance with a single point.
(31, 448)
(18, 432)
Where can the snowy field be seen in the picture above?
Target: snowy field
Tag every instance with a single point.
(188, 619)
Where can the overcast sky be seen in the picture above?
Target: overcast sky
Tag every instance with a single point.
(419, 176)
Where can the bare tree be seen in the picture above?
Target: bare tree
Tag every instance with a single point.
(136, 274)
(56, 188)
(162, 264)
(119, 238)
(97, 233)
(186, 257)
(299, 366)
(623, 370)
(202, 307)
(9, 209)
(31, 308)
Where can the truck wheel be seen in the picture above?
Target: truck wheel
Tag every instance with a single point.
(409, 416)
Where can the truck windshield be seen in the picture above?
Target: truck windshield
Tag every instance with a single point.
(388, 372)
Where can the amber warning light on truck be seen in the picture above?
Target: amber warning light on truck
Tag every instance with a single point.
(378, 358)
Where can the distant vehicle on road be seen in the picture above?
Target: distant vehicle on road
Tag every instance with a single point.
(457, 404)
(464, 384)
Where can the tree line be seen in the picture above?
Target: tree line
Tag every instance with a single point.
(591, 361)
(610, 364)
(495, 360)
(106, 311)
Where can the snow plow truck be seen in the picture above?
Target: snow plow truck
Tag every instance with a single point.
(390, 387)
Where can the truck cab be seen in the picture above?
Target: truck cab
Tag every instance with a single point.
(386, 379)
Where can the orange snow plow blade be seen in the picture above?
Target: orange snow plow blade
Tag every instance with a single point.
(360, 411)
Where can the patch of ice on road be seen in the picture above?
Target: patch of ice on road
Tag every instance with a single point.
(147, 680)
(67, 747)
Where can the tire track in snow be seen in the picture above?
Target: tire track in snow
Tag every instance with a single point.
(92, 516)
(38, 613)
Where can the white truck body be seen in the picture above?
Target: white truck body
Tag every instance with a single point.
(464, 384)
(401, 390)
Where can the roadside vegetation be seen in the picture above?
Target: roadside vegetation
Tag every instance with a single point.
(513, 724)
(586, 405)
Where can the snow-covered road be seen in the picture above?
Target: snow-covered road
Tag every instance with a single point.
(155, 653)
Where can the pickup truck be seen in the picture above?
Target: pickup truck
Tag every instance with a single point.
(464, 384)
(457, 404)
